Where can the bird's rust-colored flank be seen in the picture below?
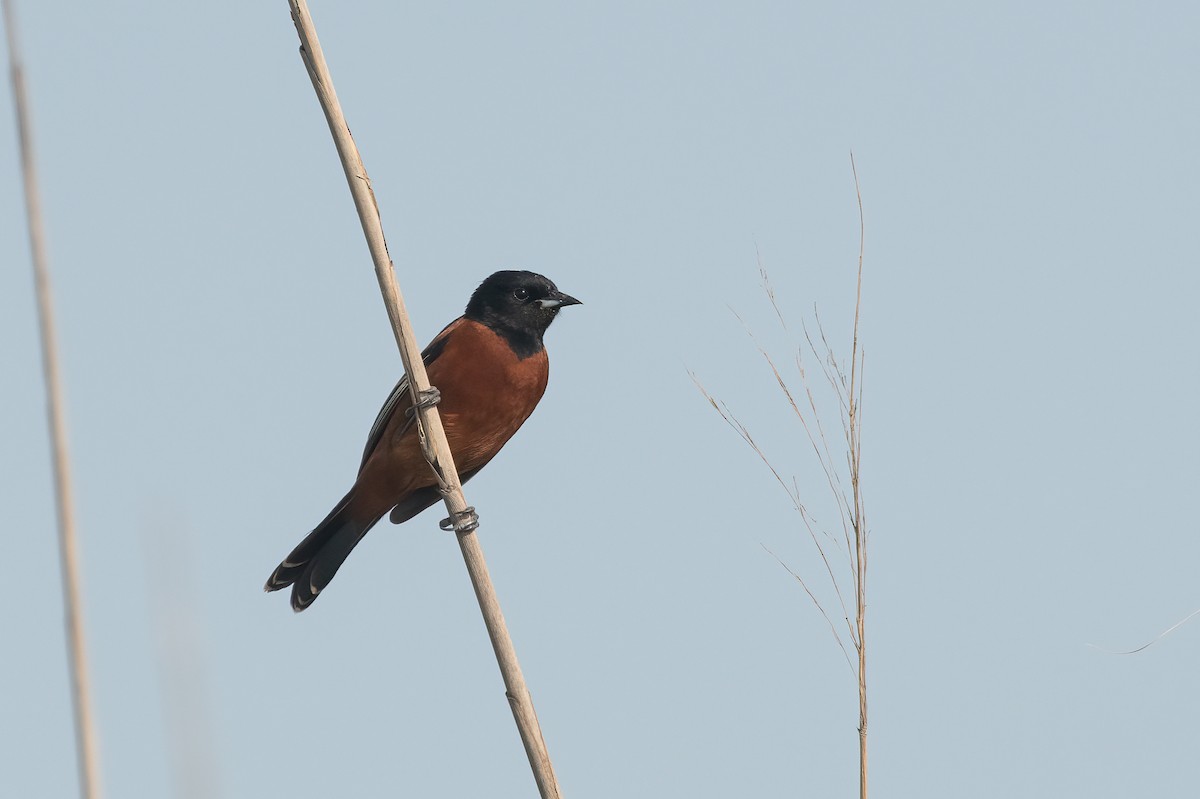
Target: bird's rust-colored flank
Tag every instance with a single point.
(491, 369)
(487, 394)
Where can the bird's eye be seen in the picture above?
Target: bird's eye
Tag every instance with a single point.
(521, 294)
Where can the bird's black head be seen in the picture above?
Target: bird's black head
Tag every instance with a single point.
(519, 306)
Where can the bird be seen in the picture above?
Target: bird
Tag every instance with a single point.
(491, 369)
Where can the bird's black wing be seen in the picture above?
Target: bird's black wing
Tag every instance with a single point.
(401, 396)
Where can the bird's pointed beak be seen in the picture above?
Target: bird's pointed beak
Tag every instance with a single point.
(556, 299)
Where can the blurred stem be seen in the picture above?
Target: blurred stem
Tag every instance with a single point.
(85, 734)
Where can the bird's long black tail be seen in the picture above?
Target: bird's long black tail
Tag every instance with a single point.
(316, 559)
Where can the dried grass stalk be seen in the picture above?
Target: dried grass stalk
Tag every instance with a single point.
(850, 550)
(81, 701)
(433, 437)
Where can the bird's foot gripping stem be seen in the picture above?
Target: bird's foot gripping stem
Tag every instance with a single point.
(426, 398)
(464, 521)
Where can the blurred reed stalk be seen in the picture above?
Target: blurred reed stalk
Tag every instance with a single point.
(847, 388)
(85, 730)
(183, 663)
(430, 431)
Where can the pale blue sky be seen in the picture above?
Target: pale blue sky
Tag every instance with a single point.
(1030, 177)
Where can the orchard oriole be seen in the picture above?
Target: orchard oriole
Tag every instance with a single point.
(491, 369)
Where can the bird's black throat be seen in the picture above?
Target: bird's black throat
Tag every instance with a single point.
(522, 341)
